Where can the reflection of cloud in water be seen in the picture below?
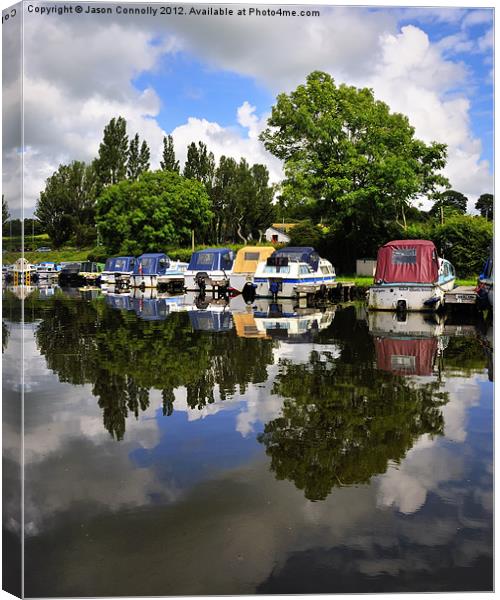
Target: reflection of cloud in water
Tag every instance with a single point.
(428, 464)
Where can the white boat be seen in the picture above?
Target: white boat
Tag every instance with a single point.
(284, 319)
(209, 270)
(410, 277)
(292, 272)
(157, 271)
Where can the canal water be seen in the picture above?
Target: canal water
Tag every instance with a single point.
(179, 446)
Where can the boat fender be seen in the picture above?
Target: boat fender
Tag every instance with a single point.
(432, 301)
(274, 287)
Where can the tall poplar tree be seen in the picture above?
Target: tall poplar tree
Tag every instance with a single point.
(168, 162)
(133, 158)
(111, 164)
(144, 158)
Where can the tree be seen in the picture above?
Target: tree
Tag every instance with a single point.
(200, 164)
(133, 158)
(144, 158)
(156, 210)
(348, 159)
(448, 203)
(66, 206)
(484, 205)
(5, 211)
(111, 164)
(306, 234)
(168, 162)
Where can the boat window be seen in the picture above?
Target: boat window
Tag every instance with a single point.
(120, 264)
(252, 256)
(305, 269)
(226, 261)
(325, 270)
(205, 259)
(273, 269)
(405, 256)
(147, 263)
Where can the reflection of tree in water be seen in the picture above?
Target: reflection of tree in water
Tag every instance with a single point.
(343, 420)
(5, 336)
(124, 358)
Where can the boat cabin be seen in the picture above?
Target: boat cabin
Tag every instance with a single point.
(407, 261)
(212, 259)
(152, 264)
(120, 264)
(304, 254)
(249, 257)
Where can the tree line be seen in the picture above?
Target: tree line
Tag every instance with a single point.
(353, 172)
(134, 209)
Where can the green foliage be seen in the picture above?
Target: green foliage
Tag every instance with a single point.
(133, 158)
(200, 164)
(349, 160)
(464, 240)
(168, 162)
(157, 210)
(144, 158)
(306, 234)
(66, 206)
(111, 164)
(449, 203)
(242, 201)
(484, 205)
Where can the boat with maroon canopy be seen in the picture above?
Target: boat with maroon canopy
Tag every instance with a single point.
(410, 276)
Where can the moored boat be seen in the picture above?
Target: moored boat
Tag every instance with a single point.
(245, 264)
(209, 270)
(485, 284)
(156, 270)
(118, 270)
(410, 277)
(294, 271)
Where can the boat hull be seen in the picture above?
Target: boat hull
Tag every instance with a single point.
(291, 288)
(410, 297)
(213, 280)
(158, 281)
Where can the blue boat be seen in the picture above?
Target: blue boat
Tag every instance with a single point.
(118, 270)
(157, 271)
(209, 269)
(485, 284)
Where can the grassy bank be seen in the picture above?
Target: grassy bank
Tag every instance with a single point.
(62, 255)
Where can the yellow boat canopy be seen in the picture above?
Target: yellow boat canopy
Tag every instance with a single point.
(249, 257)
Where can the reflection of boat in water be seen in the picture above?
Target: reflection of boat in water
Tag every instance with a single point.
(211, 320)
(284, 319)
(410, 276)
(406, 344)
(155, 309)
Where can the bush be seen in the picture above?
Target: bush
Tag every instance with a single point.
(464, 240)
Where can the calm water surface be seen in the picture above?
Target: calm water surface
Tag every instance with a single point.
(175, 447)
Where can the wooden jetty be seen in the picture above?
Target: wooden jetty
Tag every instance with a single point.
(463, 294)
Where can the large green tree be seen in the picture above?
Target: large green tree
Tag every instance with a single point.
(66, 207)
(156, 210)
(168, 162)
(5, 211)
(449, 203)
(349, 159)
(111, 164)
(484, 205)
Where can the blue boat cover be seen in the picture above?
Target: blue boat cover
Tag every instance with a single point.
(151, 264)
(212, 259)
(305, 254)
(120, 264)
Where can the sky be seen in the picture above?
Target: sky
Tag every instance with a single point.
(216, 79)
